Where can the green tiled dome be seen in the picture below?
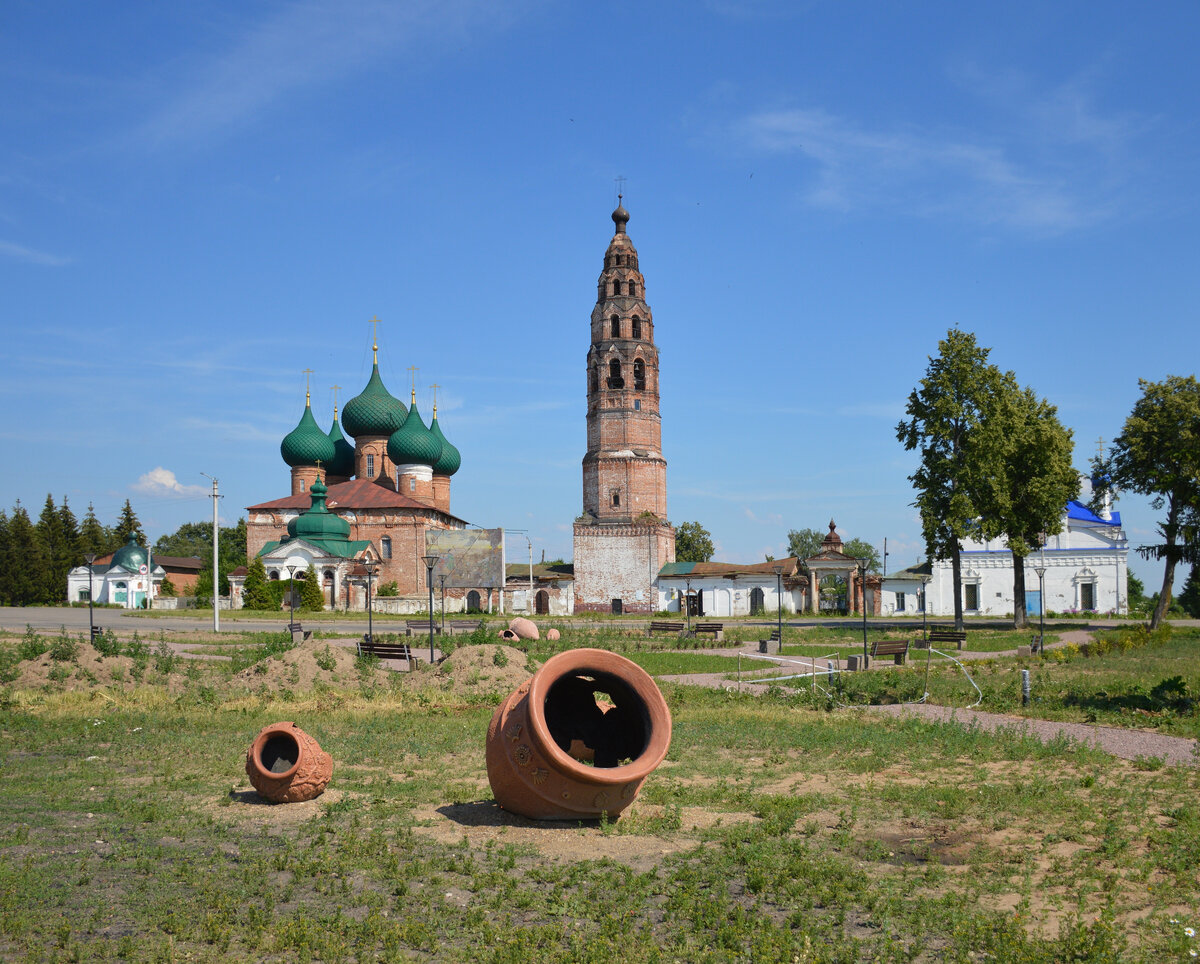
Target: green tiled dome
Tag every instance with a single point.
(451, 459)
(131, 556)
(373, 411)
(343, 452)
(413, 443)
(318, 522)
(306, 444)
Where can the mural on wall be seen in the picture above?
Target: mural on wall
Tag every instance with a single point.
(468, 558)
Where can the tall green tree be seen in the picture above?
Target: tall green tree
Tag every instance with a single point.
(127, 526)
(1189, 597)
(1028, 477)
(1158, 454)
(861, 549)
(70, 532)
(4, 560)
(312, 599)
(26, 563)
(49, 528)
(693, 543)
(93, 537)
(804, 543)
(944, 416)
(255, 593)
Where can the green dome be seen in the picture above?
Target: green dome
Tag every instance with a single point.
(343, 452)
(413, 444)
(451, 459)
(317, 522)
(373, 411)
(306, 444)
(131, 556)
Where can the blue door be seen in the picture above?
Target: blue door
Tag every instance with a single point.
(1033, 602)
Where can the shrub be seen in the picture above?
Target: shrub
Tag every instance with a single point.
(107, 643)
(64, 649)
(388, 589)
(32, 645)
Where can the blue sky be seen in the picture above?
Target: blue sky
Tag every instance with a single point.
(198, 201)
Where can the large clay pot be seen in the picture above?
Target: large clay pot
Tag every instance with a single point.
(525, 628)
(554, 752)
(286, 765)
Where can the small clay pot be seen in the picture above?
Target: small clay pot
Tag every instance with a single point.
(552, 634)
(286, 765)
(555, 752)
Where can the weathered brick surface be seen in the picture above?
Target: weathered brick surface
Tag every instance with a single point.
(620, 561)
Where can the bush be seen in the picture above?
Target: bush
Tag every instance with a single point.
(32, 645)
(167, 588)
(107, 643)
(388, 589)
(64, 649)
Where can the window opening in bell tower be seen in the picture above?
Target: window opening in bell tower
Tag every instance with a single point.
(614, 374)
(639, 375)
(615, 321)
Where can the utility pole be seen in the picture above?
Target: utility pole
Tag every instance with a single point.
(216, 590)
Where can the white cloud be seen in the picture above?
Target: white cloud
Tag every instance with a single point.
(1041, 162)
(302, 46)
(162, 481)
(20, 253)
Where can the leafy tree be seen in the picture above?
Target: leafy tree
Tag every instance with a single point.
(255, 592)
(312, 599)
(387, 589)
(1158, 454)
(804, 543)
(861, 549)
(1136, 589)
(127, 526)
(1028, 480)
(944, 417)
(190, 539)
(693, 543)
(167, 588)
(1189, 598)
(93, 537)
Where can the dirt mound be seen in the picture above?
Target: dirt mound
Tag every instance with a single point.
(89, 669)
(303, 666)
(485, 669)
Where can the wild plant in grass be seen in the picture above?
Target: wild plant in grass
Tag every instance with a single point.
(64, 649)
(107, 644)
(32, 645)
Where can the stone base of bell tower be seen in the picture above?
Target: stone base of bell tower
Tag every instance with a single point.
(617, 564)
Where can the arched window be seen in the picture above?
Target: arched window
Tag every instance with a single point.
(328, 576)
(615, 323)
(615, 380)
(301, 485)
(274, 575)
(639, 375)
(616, 498)
(633, 289)
(616, 287)
(594, 380)
(473, 602)
(637, 327)
(370, 465)
(385, 547)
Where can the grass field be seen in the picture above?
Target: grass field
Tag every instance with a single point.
(776, 830)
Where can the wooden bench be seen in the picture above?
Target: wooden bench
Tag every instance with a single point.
(896, 648)
(299, 634)
(456, 626)
(717, 629)
(420, 627)
(947, 634)
(664, 626)
(386, 650)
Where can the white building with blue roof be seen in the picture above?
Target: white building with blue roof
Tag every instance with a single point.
(1085, 571)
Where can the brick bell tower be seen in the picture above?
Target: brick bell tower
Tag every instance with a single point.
(623, 537)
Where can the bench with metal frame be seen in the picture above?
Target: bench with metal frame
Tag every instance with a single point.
(947, 634)
(896, 648)
(664, 626)
(386, 650)
(716, 629)
(420, 627)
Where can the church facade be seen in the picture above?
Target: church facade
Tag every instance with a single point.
(622, 539)
(360, 503)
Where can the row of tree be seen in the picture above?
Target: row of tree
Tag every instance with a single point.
(995, 462)
(35, 557)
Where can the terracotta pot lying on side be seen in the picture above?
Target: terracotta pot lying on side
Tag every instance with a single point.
(286, 765)
(555, 752)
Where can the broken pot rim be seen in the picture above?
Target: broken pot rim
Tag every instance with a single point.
(575, 661)
(284, 726)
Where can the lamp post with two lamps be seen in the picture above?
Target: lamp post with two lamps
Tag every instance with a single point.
(1041, 574)
(372, 567)
(687, 604)
(442, 579)
(430, 561)
(292, 590)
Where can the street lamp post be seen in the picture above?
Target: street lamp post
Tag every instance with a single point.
(862, 589)
(687, 603)
(430, 561)
(779, 602)
(371, 567)
(442, 579)
(1041, 574)
(292, 590)
(924, 605)
(90, 557)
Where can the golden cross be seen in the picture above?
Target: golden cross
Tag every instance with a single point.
(435, 387)
(414, 370)
(307, 372)
(336, 389)
(1100, 446)
(374, 323)
(620, 182)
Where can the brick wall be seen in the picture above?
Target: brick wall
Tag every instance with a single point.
(615, 561)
